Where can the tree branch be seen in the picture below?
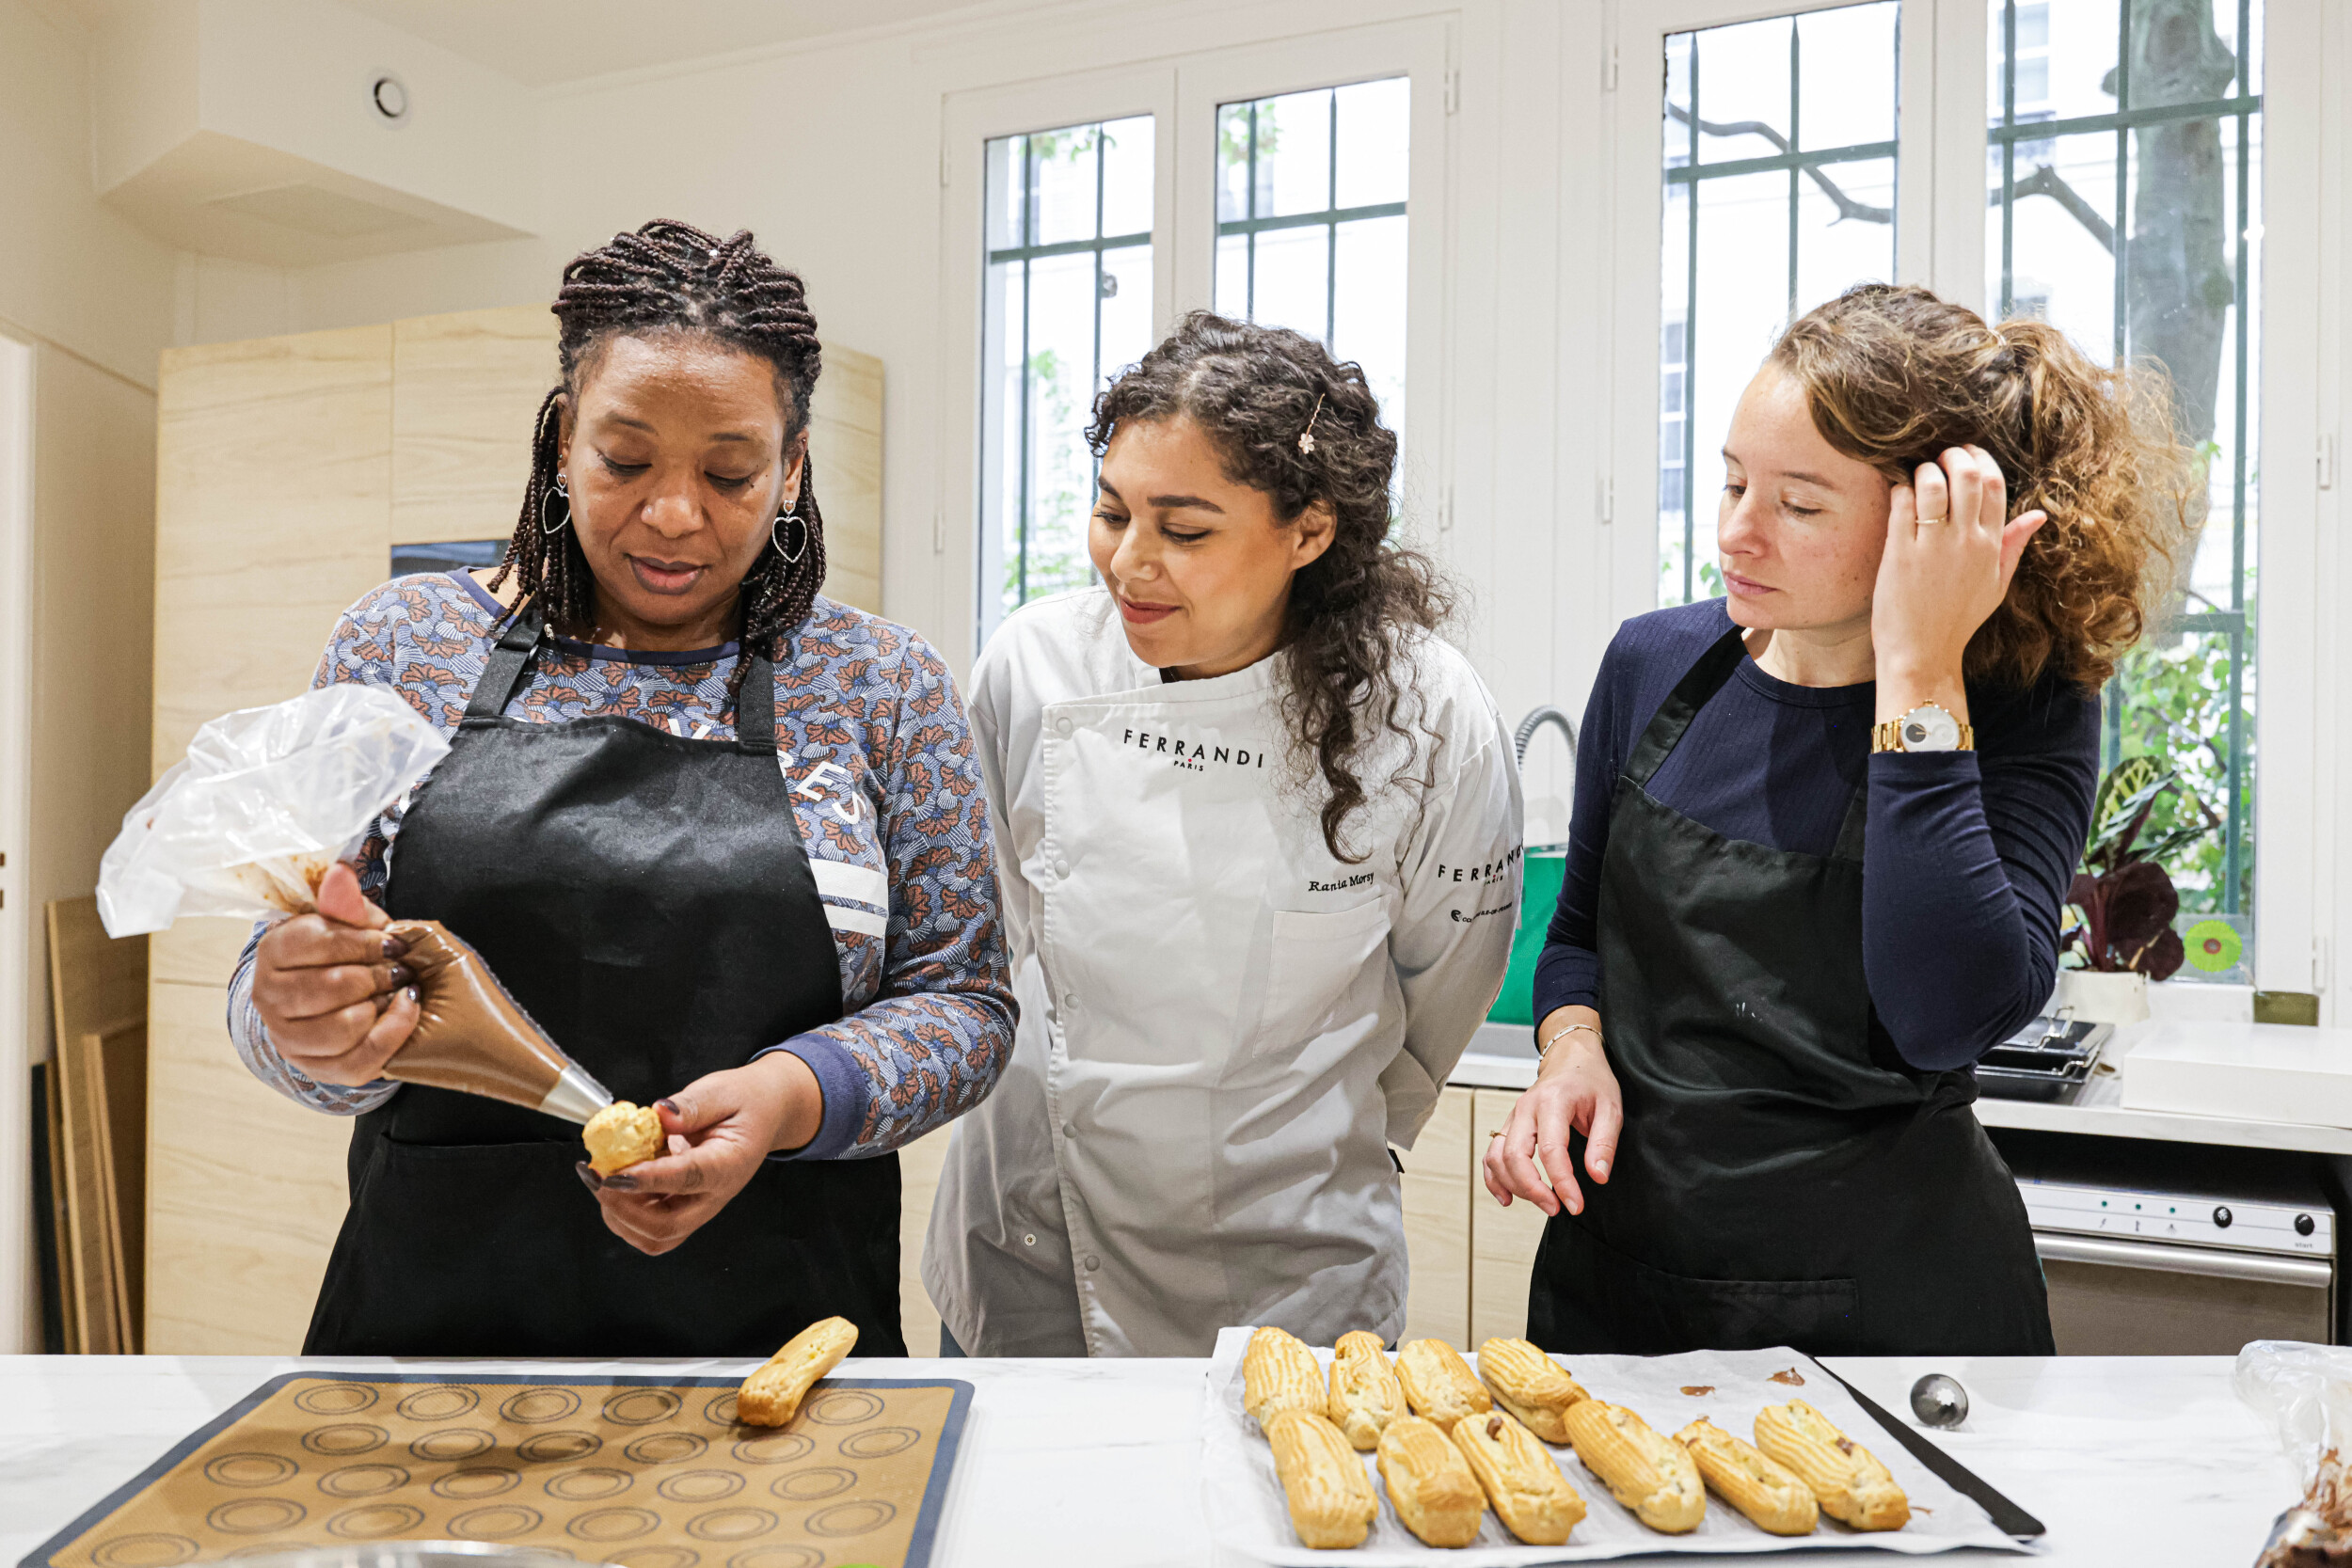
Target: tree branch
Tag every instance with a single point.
(2045, 181)
(1847, 206)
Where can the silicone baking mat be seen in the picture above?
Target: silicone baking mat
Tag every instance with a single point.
(645, 1472)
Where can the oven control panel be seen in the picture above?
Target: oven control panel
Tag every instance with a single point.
(2245, 1224)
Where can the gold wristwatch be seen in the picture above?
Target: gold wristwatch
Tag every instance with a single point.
(1926, 728)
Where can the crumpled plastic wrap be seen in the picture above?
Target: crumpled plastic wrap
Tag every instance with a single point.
(266, 800)
(2304, 1393)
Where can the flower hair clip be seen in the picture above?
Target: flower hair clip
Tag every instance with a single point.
(1307, 436)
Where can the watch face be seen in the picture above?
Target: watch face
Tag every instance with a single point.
(1929, 728)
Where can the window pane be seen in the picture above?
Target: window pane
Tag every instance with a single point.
(1311, 231)
(2180, 201)
(1055, 326)
(1743, 251)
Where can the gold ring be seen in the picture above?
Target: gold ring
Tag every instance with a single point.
(1495, 1135)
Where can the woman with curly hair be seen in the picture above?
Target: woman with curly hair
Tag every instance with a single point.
(1258, 832)
(1823, 829)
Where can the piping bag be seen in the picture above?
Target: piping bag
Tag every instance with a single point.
(248, 824)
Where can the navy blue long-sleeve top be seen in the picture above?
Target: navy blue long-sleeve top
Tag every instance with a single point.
(1968, 854)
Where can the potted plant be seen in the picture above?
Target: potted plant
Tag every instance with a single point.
(2123, 900)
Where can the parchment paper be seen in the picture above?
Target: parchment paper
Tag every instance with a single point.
(1243, 1494)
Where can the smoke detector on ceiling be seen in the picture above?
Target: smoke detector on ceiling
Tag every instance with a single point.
(388, 94)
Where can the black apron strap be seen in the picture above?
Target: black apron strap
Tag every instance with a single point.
(755, 707)
(503, 674)
(1850, 836)
(1690, 695)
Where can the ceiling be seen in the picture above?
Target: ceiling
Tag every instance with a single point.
(541, 43)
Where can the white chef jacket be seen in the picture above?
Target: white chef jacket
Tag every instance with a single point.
(1223, 1025)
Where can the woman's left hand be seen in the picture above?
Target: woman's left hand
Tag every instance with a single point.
(719, 1127)
(1951, 550)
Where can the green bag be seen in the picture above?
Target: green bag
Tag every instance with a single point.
(1540, 870)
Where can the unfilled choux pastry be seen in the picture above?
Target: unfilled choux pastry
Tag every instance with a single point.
(1845, 1477)
(1531, 1496)
(1280, 1372)
(1437, 1383)
(621, 1135)
(1758, 1485)
(1530, 1384)
(1646, 1470)
(1430, 1484)
(771, 1396)
(1331, 1500)
(1365, 1394)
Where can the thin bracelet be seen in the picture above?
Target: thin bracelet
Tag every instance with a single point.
(1542, 1047)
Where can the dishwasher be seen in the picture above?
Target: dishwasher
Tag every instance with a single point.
(2177, 1249)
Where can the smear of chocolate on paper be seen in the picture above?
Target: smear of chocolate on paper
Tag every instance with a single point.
(1793, 1377)
(1698, 1390)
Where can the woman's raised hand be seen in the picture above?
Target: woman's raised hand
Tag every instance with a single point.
(1574, 1090)
(331, 989)
(1951, 548)
(719, 1127)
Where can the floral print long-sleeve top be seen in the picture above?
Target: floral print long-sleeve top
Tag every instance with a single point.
(878, 760)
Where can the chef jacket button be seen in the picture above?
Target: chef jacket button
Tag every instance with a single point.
(1029, 1239)
(1061, 869)
(1069, 1129)
(1062, 726)
(1070, 1001)
(1092, 1262)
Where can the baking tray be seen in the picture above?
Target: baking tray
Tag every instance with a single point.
(647, 1472)
(1243, 1495)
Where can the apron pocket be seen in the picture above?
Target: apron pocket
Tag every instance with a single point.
(1591, 1299)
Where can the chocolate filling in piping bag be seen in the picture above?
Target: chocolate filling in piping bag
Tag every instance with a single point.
(471, 1036)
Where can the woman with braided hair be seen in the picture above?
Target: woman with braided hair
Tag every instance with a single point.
(721, 837)
(1259, 832)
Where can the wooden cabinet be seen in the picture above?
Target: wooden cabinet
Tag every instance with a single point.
(287, 468)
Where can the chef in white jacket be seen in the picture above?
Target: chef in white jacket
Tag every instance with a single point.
(1258, 833)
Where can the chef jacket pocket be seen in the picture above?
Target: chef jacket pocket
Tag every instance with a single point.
(1664, 1313)
(1317, 957)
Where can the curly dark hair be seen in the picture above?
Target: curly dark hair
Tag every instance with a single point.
(1894, 375)
(1254, 391)
(671, 276)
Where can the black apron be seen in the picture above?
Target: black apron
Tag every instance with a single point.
(646, 900)
(1783, 1176)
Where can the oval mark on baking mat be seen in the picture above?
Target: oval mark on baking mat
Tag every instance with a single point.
(880, 1442)
(666, 1447)
(375, 1521)
(660, 1557)
(256, 1516)
(778, 1557)
(730, 1523)
(720, 1411)
(499, 1522)
(347, 1437)
(614, 1523)
(638, 1407)
(453, 1444)
(335, 1399)
(701, 1486)
(807, 1486)
(558, 1448)
(776, 1447)
(154, 1550)
(844, 1407)
(444, 1403)
(857, 1518)
(535, 1406)
(249, 1469)
(363, 1480)
(590, 1485)
(478, 1481)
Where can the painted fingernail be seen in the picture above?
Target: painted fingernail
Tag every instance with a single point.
(620, 1184)
(414, 1000)
(394, 947)
(588, 1178)
(401, 974)
(671, 1106)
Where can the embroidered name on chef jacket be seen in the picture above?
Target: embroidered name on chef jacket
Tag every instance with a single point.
(1191, 755)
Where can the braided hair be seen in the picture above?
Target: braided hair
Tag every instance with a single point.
(671, 276)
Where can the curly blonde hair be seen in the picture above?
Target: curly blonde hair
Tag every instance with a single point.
(1893, 375)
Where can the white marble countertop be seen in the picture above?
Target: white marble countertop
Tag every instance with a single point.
(2147, 1461)
(1502, 1056)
